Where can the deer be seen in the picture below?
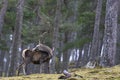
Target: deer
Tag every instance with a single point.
(38, 55)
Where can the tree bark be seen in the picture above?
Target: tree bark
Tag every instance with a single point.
(94, 53)
(79, 59)
(56, 34)
(85, 58)
(110, 33)
(2, 62)
(2, 14)
(16, 36)
(117, 56)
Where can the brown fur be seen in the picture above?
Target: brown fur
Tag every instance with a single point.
(38, 55)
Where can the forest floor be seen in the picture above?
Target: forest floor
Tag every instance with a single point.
(112, 73)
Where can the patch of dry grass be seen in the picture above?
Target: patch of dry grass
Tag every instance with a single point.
(77, 74)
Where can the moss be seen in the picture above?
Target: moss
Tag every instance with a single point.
(112, 73)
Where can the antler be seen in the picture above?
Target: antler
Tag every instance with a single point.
(42, 36)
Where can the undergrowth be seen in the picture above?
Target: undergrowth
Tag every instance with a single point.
(112, 73)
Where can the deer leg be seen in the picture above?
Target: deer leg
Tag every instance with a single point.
(18, 69)
(26, 62)
(47, 64)
(25, 69)
(48, 67)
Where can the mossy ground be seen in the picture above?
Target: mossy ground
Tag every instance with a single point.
(112, 73)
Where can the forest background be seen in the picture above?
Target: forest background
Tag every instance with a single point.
(84, 33)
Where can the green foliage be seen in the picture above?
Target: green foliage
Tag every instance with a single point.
(10, 17)
(49, 7)
(32, 3)
(9, 21)
(68, 27)
(28, 14)
(3, 45)
(78, 43)
(31, 32)
(12, 5)
(83, 25)
(86, 5)
(0, 4)
(86, 18)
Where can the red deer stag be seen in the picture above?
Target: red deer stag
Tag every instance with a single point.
(40, 54)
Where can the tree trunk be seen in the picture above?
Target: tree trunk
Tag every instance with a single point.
(37, 22)
(94, 53)
(79, 59)
(58, 63)
(2, 14)
(85, 58)
(65, 61)
(16, 36)
(2, 62)
(56, 34)
(117, 56)
(7, 56)
(110, 33)
(69, 37)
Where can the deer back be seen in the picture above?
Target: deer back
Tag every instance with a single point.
(44, 49)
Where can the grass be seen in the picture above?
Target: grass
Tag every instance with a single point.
(112, 73)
